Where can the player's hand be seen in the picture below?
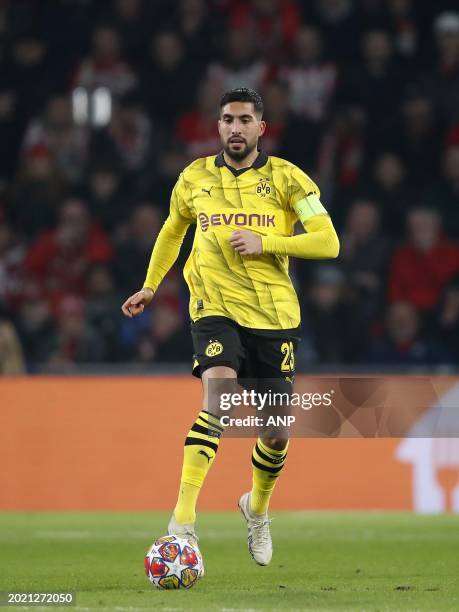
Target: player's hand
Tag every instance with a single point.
(246, 242)
(135, 304)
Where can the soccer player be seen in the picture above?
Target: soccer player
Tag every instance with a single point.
(244, 311)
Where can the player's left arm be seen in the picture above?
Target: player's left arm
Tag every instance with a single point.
(320, 240)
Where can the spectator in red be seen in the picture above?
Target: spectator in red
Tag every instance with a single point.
(311, 79)
(105, 66)
(196, 130)
(273, 23)
(423, 265)
(60, 259)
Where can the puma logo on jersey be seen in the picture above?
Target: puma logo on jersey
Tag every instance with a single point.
(208, 191)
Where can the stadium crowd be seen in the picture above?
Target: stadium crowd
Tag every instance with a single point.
(361, 94)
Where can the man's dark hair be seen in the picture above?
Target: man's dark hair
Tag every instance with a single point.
(243, 94)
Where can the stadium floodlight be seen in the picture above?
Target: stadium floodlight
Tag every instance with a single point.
(92, 107)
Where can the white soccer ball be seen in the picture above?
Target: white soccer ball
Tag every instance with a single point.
(173, 563)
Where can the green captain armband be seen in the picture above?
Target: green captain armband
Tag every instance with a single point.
(308, 207)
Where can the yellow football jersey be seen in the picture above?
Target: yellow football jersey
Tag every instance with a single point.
(254, 291)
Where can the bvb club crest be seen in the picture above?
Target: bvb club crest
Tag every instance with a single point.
(263, 188)
(214, 348)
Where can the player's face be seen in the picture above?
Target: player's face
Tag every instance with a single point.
(239, 128)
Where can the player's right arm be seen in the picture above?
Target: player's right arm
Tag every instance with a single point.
(165, 251)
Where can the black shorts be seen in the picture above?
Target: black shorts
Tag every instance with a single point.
(252, 353)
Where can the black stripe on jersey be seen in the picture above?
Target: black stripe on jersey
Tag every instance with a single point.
(208, 431)
(189, 441)
(265, 468)
(275, 460)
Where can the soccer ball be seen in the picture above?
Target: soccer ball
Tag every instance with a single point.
(173, 563)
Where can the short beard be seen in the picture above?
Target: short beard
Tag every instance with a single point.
(239, 155)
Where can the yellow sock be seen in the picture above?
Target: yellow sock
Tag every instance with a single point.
(267, 463)
(201, 445)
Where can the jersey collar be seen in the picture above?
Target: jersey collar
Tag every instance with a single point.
(258, 163)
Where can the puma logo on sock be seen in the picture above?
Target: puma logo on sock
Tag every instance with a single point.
(208, 457)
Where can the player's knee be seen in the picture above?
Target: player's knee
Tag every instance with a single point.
(278, 443)
(216, 401)
(217, 393)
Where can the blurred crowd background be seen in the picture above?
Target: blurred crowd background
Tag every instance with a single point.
(102, 103)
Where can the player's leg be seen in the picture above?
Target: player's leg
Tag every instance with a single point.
(201, 444)
(268, 459)
(275, 368)
(275, 363)
(218, 352)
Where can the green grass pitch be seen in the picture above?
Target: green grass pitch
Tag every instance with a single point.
(322, 561)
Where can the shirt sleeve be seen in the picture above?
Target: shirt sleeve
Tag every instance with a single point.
(320, 240)
(170, 238)
(304, 196)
